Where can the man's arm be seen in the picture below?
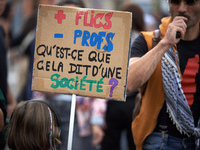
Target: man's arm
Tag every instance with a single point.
(140, 69)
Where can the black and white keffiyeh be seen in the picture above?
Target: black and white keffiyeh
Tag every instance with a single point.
(177, 105)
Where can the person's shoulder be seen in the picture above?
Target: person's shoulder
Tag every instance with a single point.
(139, 39)
(139, 46)
(147, 34)
(144, 37)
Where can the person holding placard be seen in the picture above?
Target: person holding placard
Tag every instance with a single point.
(3, 72)
(89, 117)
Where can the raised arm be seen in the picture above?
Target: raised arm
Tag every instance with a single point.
(141, 68)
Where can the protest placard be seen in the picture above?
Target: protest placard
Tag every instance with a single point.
(82, 51)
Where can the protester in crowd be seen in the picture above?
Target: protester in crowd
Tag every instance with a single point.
(4, 27)
(3, 71)
(21, 43)
(170, 110)
(89, 118)
(7, 101)
(6, 98)
(119, 114)
(34, 126)
(88, 123)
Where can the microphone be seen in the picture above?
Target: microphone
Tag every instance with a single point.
(178, 35)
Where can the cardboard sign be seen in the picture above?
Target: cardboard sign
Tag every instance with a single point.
(82, 51)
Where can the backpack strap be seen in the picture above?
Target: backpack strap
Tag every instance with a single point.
(155, 40)
(138, 100)
(162, 117)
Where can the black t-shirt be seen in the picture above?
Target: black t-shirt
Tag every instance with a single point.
(189, 56)
(139, 47)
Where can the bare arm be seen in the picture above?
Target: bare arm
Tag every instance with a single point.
(140, 69)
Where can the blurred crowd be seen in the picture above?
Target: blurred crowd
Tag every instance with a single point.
(99, 118)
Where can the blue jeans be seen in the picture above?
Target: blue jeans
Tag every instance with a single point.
(155, 141)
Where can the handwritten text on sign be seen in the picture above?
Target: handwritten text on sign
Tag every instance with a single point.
(82, 51)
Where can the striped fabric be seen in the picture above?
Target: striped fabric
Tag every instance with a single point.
(177, 105)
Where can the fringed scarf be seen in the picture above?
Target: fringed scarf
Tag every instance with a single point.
(177, 105)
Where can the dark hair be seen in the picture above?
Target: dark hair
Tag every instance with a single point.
(137, 15)
(29, 126)
(79, 3)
